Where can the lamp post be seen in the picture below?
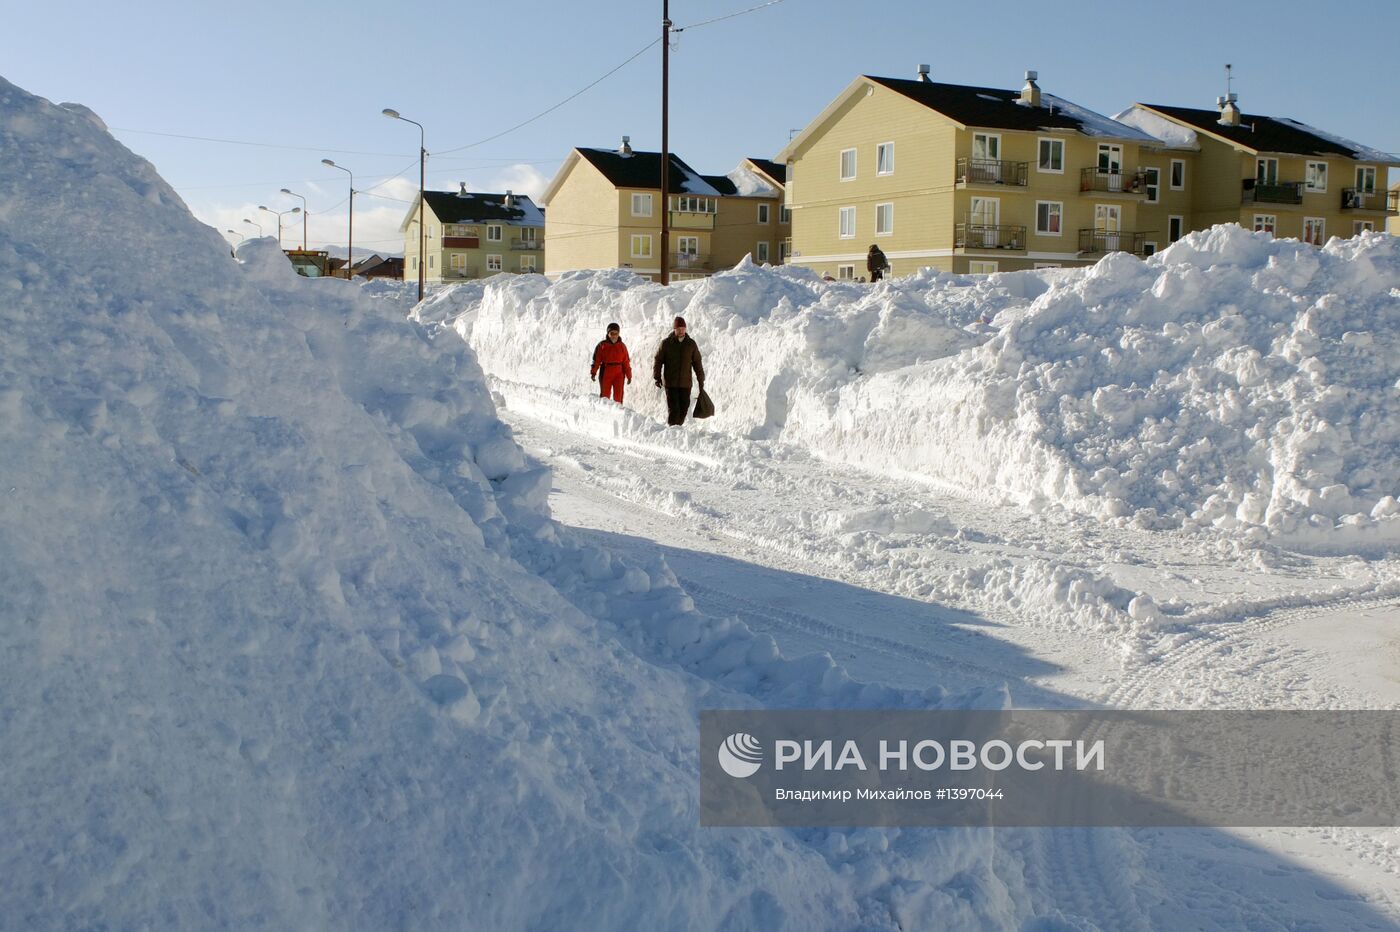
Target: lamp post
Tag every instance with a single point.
(279, 213)
(350, 233)
(252, 224)
(422, 168)
(240, 236)
(304, 214)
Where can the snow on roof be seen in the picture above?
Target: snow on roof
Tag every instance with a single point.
(748, 183)
(1362, 153)
(1094, 124)
(1169, 134)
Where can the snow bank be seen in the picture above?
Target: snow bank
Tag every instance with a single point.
(1232, 381)
(288, 639)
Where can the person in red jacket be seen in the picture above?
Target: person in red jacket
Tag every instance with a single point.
(611, 364)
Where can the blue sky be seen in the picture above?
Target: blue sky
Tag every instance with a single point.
(268, 73)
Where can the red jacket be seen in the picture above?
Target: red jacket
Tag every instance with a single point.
(611, 354)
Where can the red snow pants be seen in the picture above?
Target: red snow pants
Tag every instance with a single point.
(610, 381)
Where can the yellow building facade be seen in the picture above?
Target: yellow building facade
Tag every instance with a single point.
(473, 235)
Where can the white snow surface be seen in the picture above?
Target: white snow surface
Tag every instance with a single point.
(1360, 152)
(748, 183)
(289, 640)
(1233, 381)
(1092, 123)
(1170, 134)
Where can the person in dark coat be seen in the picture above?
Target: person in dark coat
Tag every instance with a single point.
(611, 364)
(676, 358)
(876, 263)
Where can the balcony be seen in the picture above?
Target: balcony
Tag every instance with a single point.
(992, 171)
(987, 236)
(458, 275)
(460, 242)
(1354, 199)
(692, 220)
(689, 262)
(536, 243)
(1096, 180)
(1272, 192)
(1098, 242)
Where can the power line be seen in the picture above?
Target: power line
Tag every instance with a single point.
(719, 19)
(260, 145)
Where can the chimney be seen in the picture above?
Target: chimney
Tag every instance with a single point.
(1030, 94)
(626, 149)
(1229, 111)
(463, 191)
(923, 74)
(510, 198)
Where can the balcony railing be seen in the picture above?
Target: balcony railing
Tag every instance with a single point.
(536, 243)
(1355, 199)
(683, 261)
(460, 242)
(1104, 241)
(1272, 192)
(991, 171)
(457, 275)
(692, 220)
(1112, 181)
(988, 236)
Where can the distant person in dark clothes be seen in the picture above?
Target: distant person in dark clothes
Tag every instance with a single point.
(675, 359)
(876, 263)
(611, 364)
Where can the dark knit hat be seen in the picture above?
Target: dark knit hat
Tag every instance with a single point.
(614, 326)
(678, 322)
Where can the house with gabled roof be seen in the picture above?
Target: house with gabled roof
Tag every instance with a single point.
(470, 234)
(1271, 174)
(962, 178)
(604, 211)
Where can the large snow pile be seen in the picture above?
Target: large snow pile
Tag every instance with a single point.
(288, 640)
(1232, 381)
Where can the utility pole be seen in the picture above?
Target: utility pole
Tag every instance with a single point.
(665, 142)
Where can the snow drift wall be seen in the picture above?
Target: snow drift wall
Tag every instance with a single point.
(1233, 381)
(269, 654)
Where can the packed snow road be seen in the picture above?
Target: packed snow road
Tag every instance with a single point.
(911, 584)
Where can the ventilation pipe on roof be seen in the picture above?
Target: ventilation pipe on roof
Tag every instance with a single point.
(463, 191)
(1229, 110)
(923, 73)
(626, 149)
(510, 198)
(1030, 94)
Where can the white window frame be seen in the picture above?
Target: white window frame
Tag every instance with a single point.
(841, 215)
(1321, 225)
(982, 267)
(497, 236)
(527, 263)
(1266, 223)
(432, 260)
(888, 209)
(989, 137)
(687, 245)
(846, 273)
(1171, 177)
(1054, 142)
(1308, 185)
(1153, 188)
(493, 263)
(1060, 212)
(457, 261)
(1369, 170)
(415, 264)
(1262, 166)
(1180, 228)
(642, 200)
(841, 166)
(529, 235)
(1149, 248)
(765, 213)
(641, 239)
(760, 252)
(784, 214)
(1363, 226)
(884, 158)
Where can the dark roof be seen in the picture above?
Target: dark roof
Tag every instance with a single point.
(643, 170)
(775, 170)
(451, 207)
(721, 183)
(997, 108)
(1261, 133)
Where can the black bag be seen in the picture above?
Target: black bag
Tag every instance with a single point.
(704, 407)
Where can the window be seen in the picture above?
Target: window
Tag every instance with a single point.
(884, 158)
(493, 232)
(1149, 249)
(641, 205)
(457, 261)
(458, 229)
(848, 164)
(1048, 215)
(1175, 229)
(1153, 184)
(884, 219)
(847, 273)
(981, 268)
(760, 252)
(1365, 179)
(687, 246)
(493, 263)
(785, 214)
(1315, 178)
(1314, 230)
(986, 146)
(1266, 223)
(1110, 159)
(529, 236)
(527, 263)
(1266, 171)
(1178, 178)
(430, 231)
(763, 213)
(1047, 265)
(431, 263)
(415, 264)
(1362, 226)
(1052, 156)
(641, 246)
(848, 223)
(690, 204)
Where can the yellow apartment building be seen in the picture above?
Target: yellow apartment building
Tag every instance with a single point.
(474, 235)
(964, 179)
(604, 211)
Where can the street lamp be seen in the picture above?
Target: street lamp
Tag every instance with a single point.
(258, 225)
(350, 234)
(304, 214)
(422, 164)
(279, 213)
(240, 236)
